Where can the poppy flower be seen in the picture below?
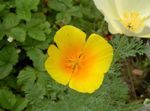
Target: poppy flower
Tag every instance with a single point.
(78, 62)
(129, 17)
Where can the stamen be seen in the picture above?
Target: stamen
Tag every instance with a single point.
(133, 21)
(74, 64)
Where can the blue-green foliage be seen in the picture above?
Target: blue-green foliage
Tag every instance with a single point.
(24, 83)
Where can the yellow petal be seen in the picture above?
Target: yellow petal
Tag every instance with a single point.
(100, 52)
(88, 84)
(54, 67)
(69, 37)
(95, 61)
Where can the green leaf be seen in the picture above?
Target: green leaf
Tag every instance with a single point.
(38, 58)
(24, 8)
(147, 50)
(68, 3)
(2, 6)
(34, 83)
(36, 20)
(81, 23)
(1, 109)
(31, 43)
(38, 27)
(63, 17)
(37, 34)
(5, 70)
(9, 55)
(123, 44)
(10, 20)
(21, 103)
(24, 14)
(7, 99)
(89, 10)
(2, 32)
(56, 5)
(18, 33)
(26, 78)
(8, 58)
(75, 11)
(35, 94)
(11, 81)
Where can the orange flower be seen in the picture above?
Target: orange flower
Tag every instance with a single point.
(78, 62)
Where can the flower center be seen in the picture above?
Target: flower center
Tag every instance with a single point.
(74, 63)
(132, 21)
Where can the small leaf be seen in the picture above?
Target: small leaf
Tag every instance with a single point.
(75, 11)
(24, 8)
(5, 70)
(24, 14)
(18, 33)
(38, 58)
(8, 58)
(11, 81)
(1, 109)
(7, 99)
(147, 50)
(2, 32)
(30, 43)
(2, 6)
(10, 20)
(38, 27)
(21, 103)
(26, 78)
(56, 5)
(35, 94)
(37, 34)
(9, 55)
(68, 3)
(63, 17)
(34, 83)
(37, 19)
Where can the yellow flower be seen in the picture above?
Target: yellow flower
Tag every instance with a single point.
(129, 17)
(78, 62)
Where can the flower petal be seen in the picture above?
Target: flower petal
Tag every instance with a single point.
(97, 55)
(53, 66)
(100, 51)
(69, 37)
(88, 84)
(145, 33)
(113, 27)
(107, 7)
(147, 22)
(141, 6)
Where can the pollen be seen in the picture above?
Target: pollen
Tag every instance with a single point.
(133, 21)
